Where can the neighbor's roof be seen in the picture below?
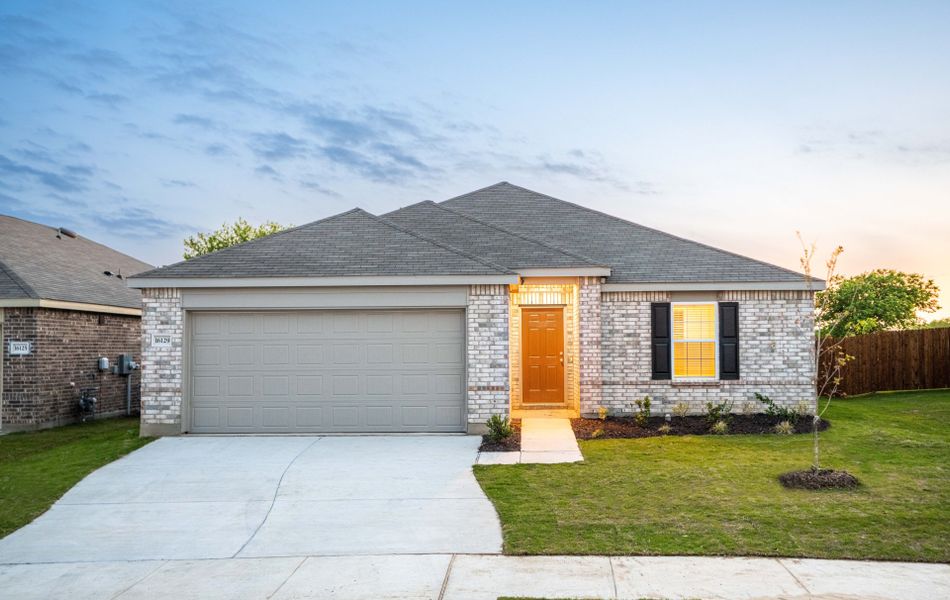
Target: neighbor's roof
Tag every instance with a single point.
(350, 244)
(38, 262)
(634, 253)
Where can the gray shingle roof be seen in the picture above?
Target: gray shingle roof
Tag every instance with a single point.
(353, 243)
(635, 254)
(476, 237)
(36, 264)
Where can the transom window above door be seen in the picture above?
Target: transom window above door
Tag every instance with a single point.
(694, 340)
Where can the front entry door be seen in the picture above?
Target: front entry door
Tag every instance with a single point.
(542, 348)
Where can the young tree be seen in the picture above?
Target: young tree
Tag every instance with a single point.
(876, 300)
(829, 357)
(227, 235)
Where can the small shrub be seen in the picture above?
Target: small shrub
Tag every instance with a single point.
(748, 408)
(664, 428)
(776, 412)
(803, 408)
(602, 413)
(499, 428)
(596, 434)
(680, 409)
(643, 411)
(784, 428)
(716, 413)
(719, 428)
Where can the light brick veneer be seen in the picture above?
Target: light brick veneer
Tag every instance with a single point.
(591, 332)
(487, 353)
(161, 367)
(775, 352)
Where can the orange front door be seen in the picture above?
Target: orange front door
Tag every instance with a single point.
(542, 349)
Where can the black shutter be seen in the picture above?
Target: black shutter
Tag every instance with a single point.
(728, 340)
(660, 339)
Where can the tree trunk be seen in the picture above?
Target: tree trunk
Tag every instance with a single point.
(814, 426)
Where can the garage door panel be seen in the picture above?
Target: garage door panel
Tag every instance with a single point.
(326, 371)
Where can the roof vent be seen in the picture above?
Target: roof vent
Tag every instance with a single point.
(108, 273)
(67, 232)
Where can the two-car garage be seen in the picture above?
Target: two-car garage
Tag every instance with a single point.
(317, 371)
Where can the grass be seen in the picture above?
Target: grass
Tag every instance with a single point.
(36, 468)
(718, 495)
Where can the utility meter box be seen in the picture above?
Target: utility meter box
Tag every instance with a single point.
(103, 363)
(125, 365)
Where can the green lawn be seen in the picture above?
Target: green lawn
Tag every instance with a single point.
(718, 495)
(37, 468)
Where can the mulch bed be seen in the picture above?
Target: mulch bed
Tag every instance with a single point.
(626, 427)
(511, 443)
(819, 480)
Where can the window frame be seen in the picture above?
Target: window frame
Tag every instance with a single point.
(715, 341)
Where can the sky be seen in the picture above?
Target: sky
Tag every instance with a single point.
(734, 124)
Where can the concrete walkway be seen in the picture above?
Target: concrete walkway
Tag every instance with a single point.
(544, 440)
(476, 577)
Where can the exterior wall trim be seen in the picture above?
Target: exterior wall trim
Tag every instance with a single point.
(64, 305)
(566, 272)
(703, 286)
(269, 282)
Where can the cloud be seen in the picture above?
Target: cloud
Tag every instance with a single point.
(196, 121)
(110, 100)
(268, 171)
(876, 144)
(277, 146)
(315, 186)
(73, 179)
(177, 183)
(138, 223)
(218, 150)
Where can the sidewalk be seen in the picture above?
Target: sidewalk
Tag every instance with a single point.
(544, 440)
(477, 577)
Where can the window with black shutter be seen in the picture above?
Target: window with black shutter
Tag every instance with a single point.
(660, 340)
(728, 340)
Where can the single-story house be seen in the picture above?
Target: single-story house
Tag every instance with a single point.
(64, 304)
(436, 316)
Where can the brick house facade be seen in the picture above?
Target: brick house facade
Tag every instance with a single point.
(42, 389)
(65, 300)
(543, 304)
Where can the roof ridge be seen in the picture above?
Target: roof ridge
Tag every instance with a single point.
(249, 242)
(443, 245)
(586, 259)
(23, 285)
(622, 220)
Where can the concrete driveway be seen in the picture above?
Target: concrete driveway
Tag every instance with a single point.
(226, 497)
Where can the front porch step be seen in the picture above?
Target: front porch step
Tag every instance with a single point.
(543, 440)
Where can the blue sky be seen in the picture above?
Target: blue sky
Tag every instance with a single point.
(735, 124)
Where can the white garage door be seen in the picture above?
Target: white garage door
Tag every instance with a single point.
(327, 371)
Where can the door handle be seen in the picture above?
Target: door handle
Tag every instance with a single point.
(561, 357)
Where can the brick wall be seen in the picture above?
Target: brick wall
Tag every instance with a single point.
(775, 348)
(42, 389)
(487, 353)
(162, 366)
(591, 350)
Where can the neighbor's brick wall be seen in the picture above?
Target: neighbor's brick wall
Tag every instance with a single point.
(776, 348)
(42, 389)
(162, 367)
(487, 352)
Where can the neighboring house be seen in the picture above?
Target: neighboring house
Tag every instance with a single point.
(436, 316)
(64, 303)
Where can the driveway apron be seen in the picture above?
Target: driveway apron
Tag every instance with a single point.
(224, 497)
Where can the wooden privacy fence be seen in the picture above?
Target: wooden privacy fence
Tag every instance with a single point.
(897, 360)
